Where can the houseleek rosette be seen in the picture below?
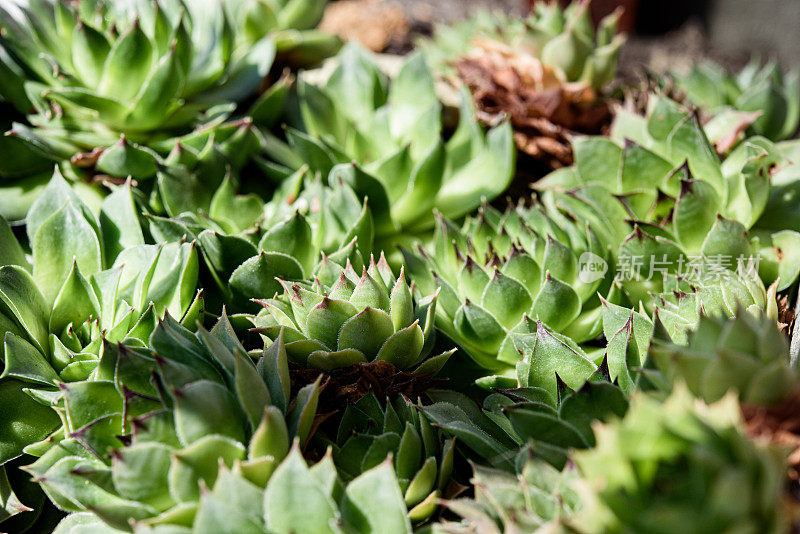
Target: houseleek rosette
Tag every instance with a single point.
(666, 174)
(149, 69)
(534, 500)
(501, 271)
(517, 285)
(770, 94)
(385, 139)
(423, 461)
(746, 354)
(134, 88)
(140, 452)
(139, 68)
(344, 318)
(563, 39)
(671, 466)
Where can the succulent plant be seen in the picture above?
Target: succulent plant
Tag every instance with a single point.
(91, 279)
(746, 353)
(149, 69)
(686, 299)
(765, 90)
(563, 39)
(387, 144)
(545, 73)
(297, 499)
(152, 93)
(343, 319)
(76, 124)
(423, 461)
(534, 500)
(500, 272)
(514, 283)
(666, 175)
(680, 465)
(246, 245)
(513, 424)
(156, 426)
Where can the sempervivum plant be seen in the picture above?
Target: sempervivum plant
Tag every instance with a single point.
(563, 39)
(247, 245)
(149, 69)
(687, 298)
(765, 90)
(115, 89)
(512, 424)
(546, 73)
(423, 461)
(535, 500)
(746, 353)
(680, 466)
(57, 316)
(722, 265)
(666, 175)
(157, 426)
(297, 499)
(501, 271)
(343, 318)
(392, 131)
(137, 68)
(514, 283)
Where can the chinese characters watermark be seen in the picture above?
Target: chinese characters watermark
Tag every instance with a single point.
(715, 267)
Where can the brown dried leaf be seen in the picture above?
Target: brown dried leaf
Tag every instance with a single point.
(543, 109)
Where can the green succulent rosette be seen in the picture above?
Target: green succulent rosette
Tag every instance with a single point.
(149, 69)
(680, 465)
(370, 431)
(780, 219)
(765, 90)
(344, 318)
(535, 500)
(159, 425)
(518, 284)
(91, 280)
(513, 424)
(247, 246)
(385, 139)
(372, 503)
(663, 172)
(562, 38)
(500, 272)
(745, 353)
(146, 88)
(117, 68)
